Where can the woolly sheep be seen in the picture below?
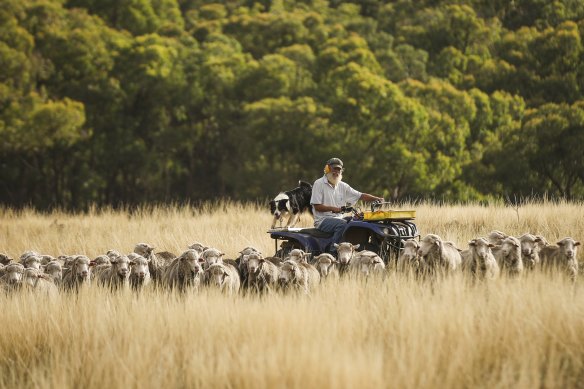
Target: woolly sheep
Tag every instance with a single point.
(116, 275)
(5, 259)
(12, 278)
(223, 276)
(482, 265)
(242, 264)
(78, 272)
(327, 266)
(497, 237)
(366, 263)
(54, 270)
(563, 257)
(509, 257)
(439, 257)
(262, 274)
(35, 280)
(293, 276)
(345, 253)
(139, 271)
(184, 272)
(529, 250)
(212, 256)
(156, 264)
(409, 261)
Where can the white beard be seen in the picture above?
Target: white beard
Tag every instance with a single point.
(334, 181)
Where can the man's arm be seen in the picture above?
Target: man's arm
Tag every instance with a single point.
(326, 208)
(367, 197)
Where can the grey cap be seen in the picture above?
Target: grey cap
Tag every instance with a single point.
(335, 162)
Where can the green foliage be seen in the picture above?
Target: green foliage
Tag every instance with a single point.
(123, 102)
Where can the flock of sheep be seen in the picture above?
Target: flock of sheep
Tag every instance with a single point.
(487, 258)
(204, 267)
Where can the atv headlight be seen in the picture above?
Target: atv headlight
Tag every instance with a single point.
(386, 231)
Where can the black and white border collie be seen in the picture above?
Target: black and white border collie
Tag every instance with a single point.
(293, 203)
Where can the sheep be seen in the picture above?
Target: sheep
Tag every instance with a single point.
(39, 282)
(12, 278)
(54, 269)
(529, 250)
(212, 256)
(497, 237)
(345, 253)
(139, 271)
(298, 255)
(31, 260)
(293, 276)
(116, 275)
(561, 257)
(184, 272)
(199, 247)
(78, 272)
(5, 259)
(366, 263)
(439, 257)
(508, 257)
(409, 262)
(101, 260)
(242, 264)
(45, 259)
(262, 274)
(223, 276)
(327, 266)
(482, 263)
(156, 264)
(299, 276)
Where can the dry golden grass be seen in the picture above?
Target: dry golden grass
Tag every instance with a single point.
(394, 333)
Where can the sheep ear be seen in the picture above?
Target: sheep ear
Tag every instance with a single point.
(491, 245)
(221, 254)
(132, 263)
(472, 242)
(335, 245)
(576, 243)
(537, 239)
(356, 246)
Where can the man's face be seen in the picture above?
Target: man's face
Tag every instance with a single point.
(335, 175)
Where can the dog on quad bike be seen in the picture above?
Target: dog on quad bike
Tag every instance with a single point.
(293, 203)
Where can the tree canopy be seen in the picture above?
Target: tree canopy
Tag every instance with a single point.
(133, 101)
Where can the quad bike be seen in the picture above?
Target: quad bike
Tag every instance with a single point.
(380, 231)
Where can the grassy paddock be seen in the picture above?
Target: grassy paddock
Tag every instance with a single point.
(396, 333)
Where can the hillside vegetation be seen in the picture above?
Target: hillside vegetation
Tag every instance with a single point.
(125, 102)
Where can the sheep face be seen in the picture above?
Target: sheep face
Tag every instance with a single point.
(54, 270)
(345, 252)
(288, 272)
(139, 266)
(568, 248)
(13, 273)
(212, 256)
(191, 259)
(30, 277)
(253, 262)
(509, 245)
(297, 255)
(428, 244)
(324, 264)
(218, 275)
(81, 265)
(32, 261)
(371, 263)
(410, 251)
(122, 266)
(481, 247)
(528, 244)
